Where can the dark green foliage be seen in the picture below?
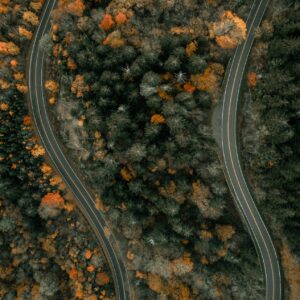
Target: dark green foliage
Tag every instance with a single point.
(172, 64)
(196, 64)
(156, 139)
(276, 98)
(7, 225)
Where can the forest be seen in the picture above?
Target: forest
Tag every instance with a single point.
(273, 156)
(47, 248)
(132, 86)
(270, 132)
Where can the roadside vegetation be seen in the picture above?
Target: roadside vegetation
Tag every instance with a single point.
(47, 249)
(132, 85)
(271, 130)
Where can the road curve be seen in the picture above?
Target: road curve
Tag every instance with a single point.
(233, 170)
(35, 63)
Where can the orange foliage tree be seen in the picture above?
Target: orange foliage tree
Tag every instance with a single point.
(9, 48)
(225, 232)
(252, 79)
(191, 48)
(31, 18)
(102, 278)
(76, 8)
(210, 79)
(182, 265)
(158, 119)
(107, 22)
(52, 86)
(114, 40)
(37, 151)
(27, 120)
(120, 18)
(78, 87)
(229, 31)
(52, 199)
(4, 84)
(24, 32)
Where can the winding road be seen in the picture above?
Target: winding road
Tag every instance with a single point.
(234, 173)
(84, 198)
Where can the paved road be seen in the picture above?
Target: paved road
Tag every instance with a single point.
(61, 163)
(234, 174)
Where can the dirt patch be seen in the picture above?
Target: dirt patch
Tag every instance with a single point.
(291, 266)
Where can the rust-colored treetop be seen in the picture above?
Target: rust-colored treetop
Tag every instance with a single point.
(252, 79)
(27, 120)
(157, 119)
(120, 18)
(107, 22)
(102, 278)
(53, 200)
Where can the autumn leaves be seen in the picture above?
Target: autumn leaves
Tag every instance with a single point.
(108, 21)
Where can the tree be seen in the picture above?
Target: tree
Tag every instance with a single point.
(7, 225)
(49, 284)
(46, 44)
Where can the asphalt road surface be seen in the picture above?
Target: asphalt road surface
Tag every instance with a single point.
(84, 199)
(234, 173)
